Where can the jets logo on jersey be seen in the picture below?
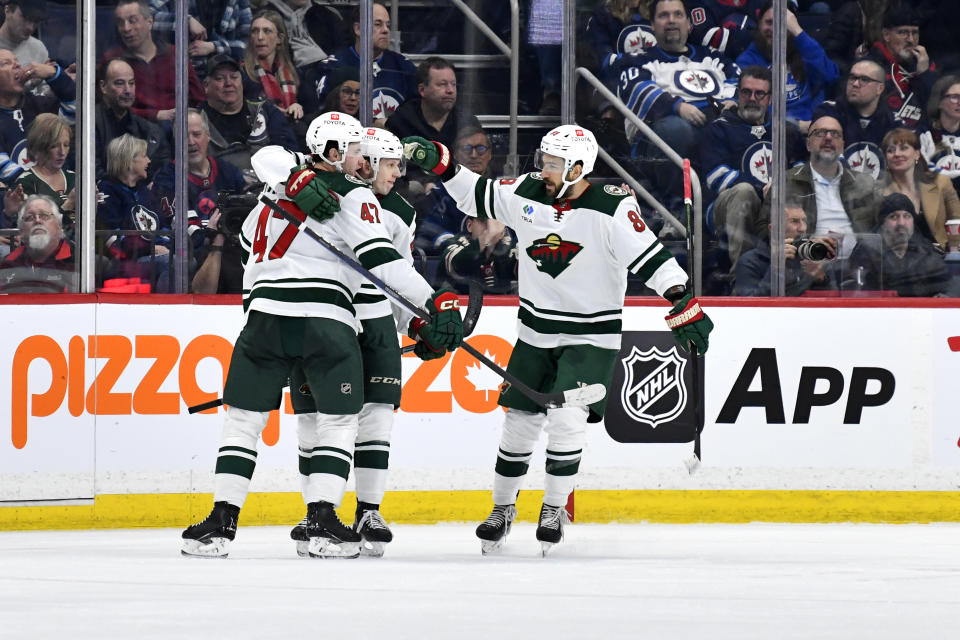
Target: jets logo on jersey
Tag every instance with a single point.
(865, 157)
(145, 220)
(636, 39)
(949, 165)
(385, 102)
(653, 390)
(697, 82)
(259, 128)
(757, 160)
(553, 254)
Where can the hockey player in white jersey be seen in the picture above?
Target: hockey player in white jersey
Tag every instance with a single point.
(379, 348)
(577, 244)
(299, 303)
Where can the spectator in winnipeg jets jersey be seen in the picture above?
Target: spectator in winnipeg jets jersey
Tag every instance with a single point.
(940, 144)
(670, 86)
(616, 28)
(865, 117)
(724, 25)
(735, 154)
(238, 127)
(394, 77)
(839, 203)
(809, 70)
(910, 71)
(18, 108)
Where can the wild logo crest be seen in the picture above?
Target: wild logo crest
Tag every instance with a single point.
(553, 254)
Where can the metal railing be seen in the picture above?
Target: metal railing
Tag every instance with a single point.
(673, 156)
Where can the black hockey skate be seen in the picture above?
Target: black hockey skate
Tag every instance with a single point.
(550, 528)
(328, 537)
(299, 535)
(493, 531)
(373, 528)
(211, 537)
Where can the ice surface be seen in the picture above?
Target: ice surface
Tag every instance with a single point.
(604, 581)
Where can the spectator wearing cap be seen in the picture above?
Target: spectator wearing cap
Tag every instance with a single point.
(113, 117)
(239, 127)
(910, 71)
(153, 63)
(218, 27)
(20, 21)
(905, 260)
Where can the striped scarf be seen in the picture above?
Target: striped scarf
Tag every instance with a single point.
(278, 84)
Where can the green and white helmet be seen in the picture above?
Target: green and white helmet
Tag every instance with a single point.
(380, 144)
(333, 127)
(574, 144)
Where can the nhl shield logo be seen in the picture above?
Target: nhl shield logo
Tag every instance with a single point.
(653, 390)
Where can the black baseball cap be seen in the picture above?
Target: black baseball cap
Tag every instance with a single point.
(219, 60)
(901, 17)
(35, 10)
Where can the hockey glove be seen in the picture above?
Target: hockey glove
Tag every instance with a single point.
(311, 195)
(690, 325)
(445, 329)
(429, 156)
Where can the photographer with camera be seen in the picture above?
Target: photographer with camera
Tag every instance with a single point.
(807, 260)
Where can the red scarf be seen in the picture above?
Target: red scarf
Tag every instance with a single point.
(278, 84)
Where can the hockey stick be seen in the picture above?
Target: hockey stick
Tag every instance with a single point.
(578, 397)
(693, 462)
(474, 307)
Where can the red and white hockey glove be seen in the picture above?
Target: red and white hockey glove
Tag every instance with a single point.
(689, 324)
(445, 329)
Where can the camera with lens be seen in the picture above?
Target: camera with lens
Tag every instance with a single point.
(234, 209)
(808, 249)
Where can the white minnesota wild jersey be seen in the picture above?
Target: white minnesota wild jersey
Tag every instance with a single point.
(287, 273)
(574, 255)
(399, 221)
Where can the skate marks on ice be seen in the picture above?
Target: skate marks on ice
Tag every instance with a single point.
(625, 581)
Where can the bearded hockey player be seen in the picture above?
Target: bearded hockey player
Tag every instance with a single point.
(577, 244)
(300, 315)
(379, 348)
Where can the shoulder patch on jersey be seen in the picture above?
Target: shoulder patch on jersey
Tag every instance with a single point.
(614, 190)
(604, 200)
(339, 183)
(536, 175)
(350, 178)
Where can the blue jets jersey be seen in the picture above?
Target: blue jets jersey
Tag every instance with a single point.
(725, 25)
(609, 38)
(861, 136)
(652, 84)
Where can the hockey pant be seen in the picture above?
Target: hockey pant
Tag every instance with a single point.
(371, 451)
(566, 434)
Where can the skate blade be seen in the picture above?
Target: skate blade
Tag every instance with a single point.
(303, 548)
(546, 547)
(372, 548)
(213, 548)
(327, 548)
(489, 547)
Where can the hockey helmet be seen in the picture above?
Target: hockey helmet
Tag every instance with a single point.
(333, 127)
(574, 144)
(380, 144)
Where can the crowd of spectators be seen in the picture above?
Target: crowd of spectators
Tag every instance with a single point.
(872, 110)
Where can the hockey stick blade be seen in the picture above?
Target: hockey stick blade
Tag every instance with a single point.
(546, 400)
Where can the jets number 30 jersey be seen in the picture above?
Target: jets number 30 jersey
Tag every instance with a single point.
(574, 255)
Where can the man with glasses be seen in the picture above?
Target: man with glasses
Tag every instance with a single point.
(864, 116)
(910, 73)
(838, 202)
(44, 262)
(736, 154)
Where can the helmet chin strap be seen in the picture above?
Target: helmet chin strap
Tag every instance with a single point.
(567, 183)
